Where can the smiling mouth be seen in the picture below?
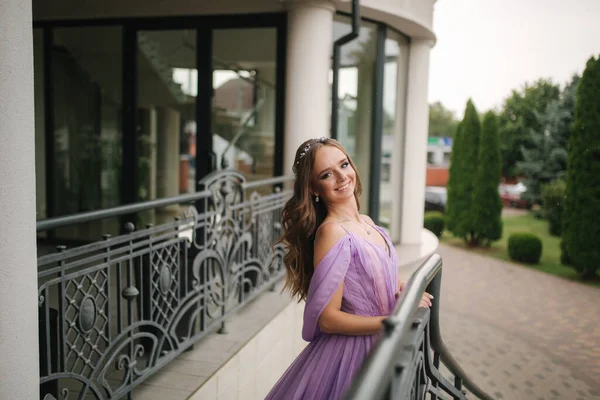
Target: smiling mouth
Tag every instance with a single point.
(343, 188)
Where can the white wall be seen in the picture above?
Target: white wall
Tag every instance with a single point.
(18, 272)
(412, 17)
(252, 372)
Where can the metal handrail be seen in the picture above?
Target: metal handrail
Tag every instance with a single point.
(88, 216)
(57, 222)
(437, 343)
(268, 181)
(374, 377)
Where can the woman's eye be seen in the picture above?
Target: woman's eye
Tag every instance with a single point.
(325, 176)
(345, 164)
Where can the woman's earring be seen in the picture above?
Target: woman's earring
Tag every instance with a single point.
(317, 199)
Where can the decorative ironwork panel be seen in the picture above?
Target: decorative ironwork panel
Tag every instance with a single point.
(165, 283)
(113, 312)
(86, 334)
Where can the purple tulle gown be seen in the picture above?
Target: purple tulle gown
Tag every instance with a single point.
(326, 366)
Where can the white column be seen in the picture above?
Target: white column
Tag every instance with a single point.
(167, 152)
(307, 109)
(397, 159)
(19, 372)
(415, 150)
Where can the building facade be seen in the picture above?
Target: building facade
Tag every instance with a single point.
(114, 102)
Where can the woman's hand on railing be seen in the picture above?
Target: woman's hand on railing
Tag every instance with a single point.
(426, 299)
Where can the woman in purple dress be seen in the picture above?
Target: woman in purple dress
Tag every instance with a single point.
(342, 265)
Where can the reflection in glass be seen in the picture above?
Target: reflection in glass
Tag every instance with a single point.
(356, 79)
(40, 135)
(87, 94)
(167, 81)
(243, 106)
(394, 87)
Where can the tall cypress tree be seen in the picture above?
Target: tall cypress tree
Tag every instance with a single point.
(487, 206)
(460, 213)
(581, 221)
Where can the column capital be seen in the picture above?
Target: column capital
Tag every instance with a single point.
(294, 4)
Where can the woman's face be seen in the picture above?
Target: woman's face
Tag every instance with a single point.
(333, 178)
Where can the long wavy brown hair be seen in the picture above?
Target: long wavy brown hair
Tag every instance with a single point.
(302, 216)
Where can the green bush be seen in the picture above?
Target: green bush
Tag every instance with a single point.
(553, 196)
(435, 222)
(524, 247)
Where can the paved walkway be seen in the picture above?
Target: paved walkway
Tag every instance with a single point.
(520, 333)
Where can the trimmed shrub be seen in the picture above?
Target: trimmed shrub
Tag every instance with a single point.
(524, 247)
(553, 196)
(435, 222)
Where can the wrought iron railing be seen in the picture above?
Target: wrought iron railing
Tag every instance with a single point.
(405, 362)
(114, 312)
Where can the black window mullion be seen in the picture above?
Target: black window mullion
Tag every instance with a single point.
(205, 157)
(281, 57)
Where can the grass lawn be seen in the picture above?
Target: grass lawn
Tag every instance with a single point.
(550, 261)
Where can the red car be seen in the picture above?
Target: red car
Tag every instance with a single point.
(511, 196)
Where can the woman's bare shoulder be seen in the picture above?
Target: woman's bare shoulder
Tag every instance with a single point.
(328, 235)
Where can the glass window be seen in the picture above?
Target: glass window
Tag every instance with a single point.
(447, 158)
(385, 169)
(167, 85)
(87, 110)
(430, 159)
(243, 105)
(355, 93)
(392, 141)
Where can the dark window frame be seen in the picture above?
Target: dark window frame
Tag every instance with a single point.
(377, 101)
(204, 26)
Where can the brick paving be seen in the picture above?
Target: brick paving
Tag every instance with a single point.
(518, 332)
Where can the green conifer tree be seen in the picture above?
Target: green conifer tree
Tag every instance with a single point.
(465, 155)
(487, 205)
(581, 221)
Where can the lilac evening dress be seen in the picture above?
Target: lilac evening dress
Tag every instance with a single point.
(326, 366)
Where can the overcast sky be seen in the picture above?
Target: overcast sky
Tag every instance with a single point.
(486, 48)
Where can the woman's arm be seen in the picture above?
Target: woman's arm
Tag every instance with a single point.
(335, 321)
(332, 320)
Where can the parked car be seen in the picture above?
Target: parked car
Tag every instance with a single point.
(512, 195)
(435, 198)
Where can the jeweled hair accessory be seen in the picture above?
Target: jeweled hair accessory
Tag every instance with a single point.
(307, 147)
